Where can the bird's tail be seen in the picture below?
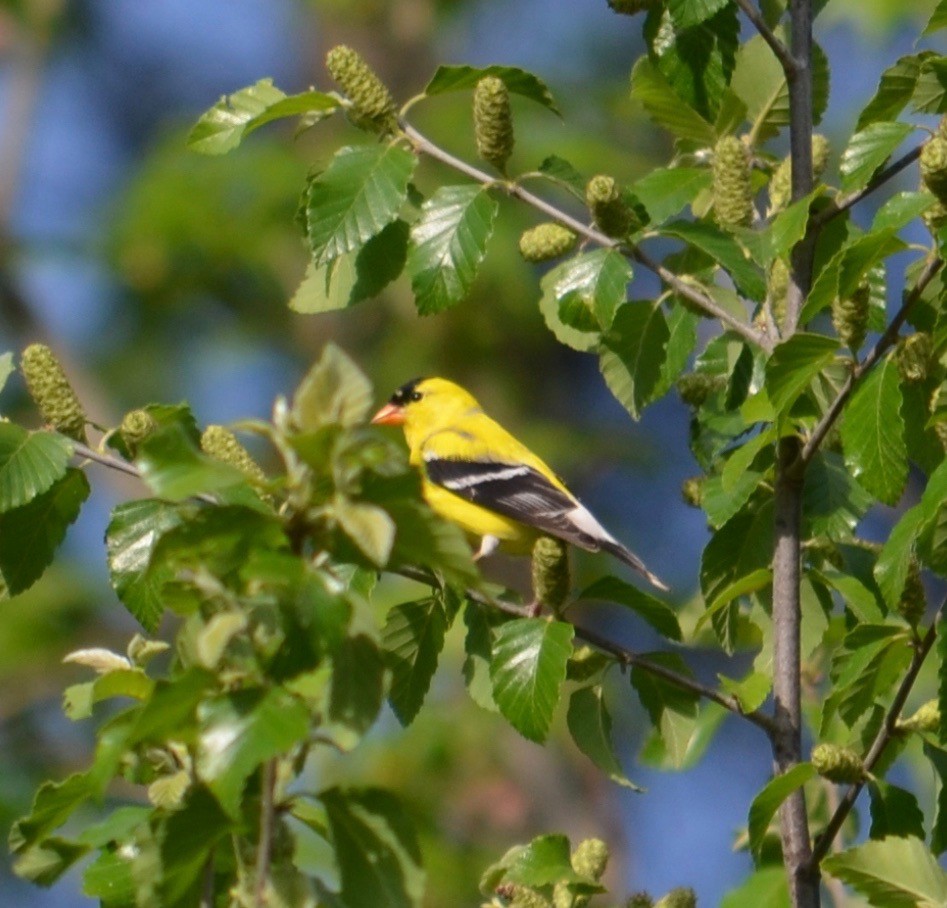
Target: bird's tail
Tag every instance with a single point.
(633, 561)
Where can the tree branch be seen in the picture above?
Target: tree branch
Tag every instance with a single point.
(878, 746)
(888, 339)
(766, 33)
(423, 145)
(843, 203)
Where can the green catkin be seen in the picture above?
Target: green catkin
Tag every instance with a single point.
(780, 184)
(777, 289)
(692, 491)
(914, 355)
(136, 426)
(493, 121)
(551, 580)
(934, 166)
(590, 858)
(55, 398)
(640, 900)
(926, 719)
(679, 897)
(610, 212)
(732, 192)
(837, 764)
(546, 241)
(850, 316)
(696, 387)
(524, 897)
(564, 897)
(373, 105)
(935, 217)
(632, 7)
(221, 444)
(938, 407)
(913, 602)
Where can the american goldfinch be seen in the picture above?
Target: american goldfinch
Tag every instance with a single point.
(480, 477)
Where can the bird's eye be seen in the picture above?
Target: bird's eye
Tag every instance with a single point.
(416, 396)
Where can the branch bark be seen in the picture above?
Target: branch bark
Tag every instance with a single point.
(782, 53)
(423, 145)
(787, 684)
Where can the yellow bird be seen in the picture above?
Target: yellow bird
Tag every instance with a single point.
(480, 477)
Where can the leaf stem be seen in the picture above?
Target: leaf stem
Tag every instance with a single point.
(882, 739)
(264, 852)
(843, 203)
(786, 59)
(887, 339)
(423, 145)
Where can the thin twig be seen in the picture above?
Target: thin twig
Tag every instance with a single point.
(887, 339)
(106, 460)
(623, 655)
(424, 145)
(264, 851)
(884, 737)
(843, 203)
(782, 53)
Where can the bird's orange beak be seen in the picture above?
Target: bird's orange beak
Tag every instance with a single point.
(389, 415)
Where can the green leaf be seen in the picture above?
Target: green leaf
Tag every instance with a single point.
(478, 646)
(724, 250)
(894, 90)
(233, 117)
(651, 88)
(632, 353)
(894, 872)
(938, 19)
(412, 639)
(30, 535)
(938, 759)
(595, 285)
(931, 89)
(765, 888)
(673, 711)
(517, 81)
(591, 728)
(356, 690)
(751, 690)
(789, 226)
(726, 593)
(130, 538)
(449, 240)
(240, 731)
(356, 197)
(712, 39)
(894, 559)
(682, 338)
(665, 192)
(53, 804)
(868, 150)
(335, 391)
(356, 276)
(47, 861)
(742, 546)
(833, 501)
(562, 171)
(529, 665)
(902, 208)
(375, 848)
(687, 13)
(544, 862)
(873, 434)
(174, 468)
(859, 599)
(739, 461)
(172, 707)
(769, 800)
(894, 811)
(720, 503)
(759, 81)
(794, 364)
(30, 462)
(655, 612)
(368, 526)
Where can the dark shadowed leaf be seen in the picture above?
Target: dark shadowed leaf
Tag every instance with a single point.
(517, 81)
(590, 725)
(769, 800)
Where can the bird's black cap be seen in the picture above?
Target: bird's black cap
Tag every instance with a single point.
(404, 394)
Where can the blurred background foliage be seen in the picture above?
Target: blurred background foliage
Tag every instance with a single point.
(158, 274)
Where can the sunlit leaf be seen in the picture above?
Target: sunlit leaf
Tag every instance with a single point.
(30, 462)
(652, 610)
(769, 800)
(651, 88)
(449, 241)
(529, 665)
(868, 150)
(335, 391)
